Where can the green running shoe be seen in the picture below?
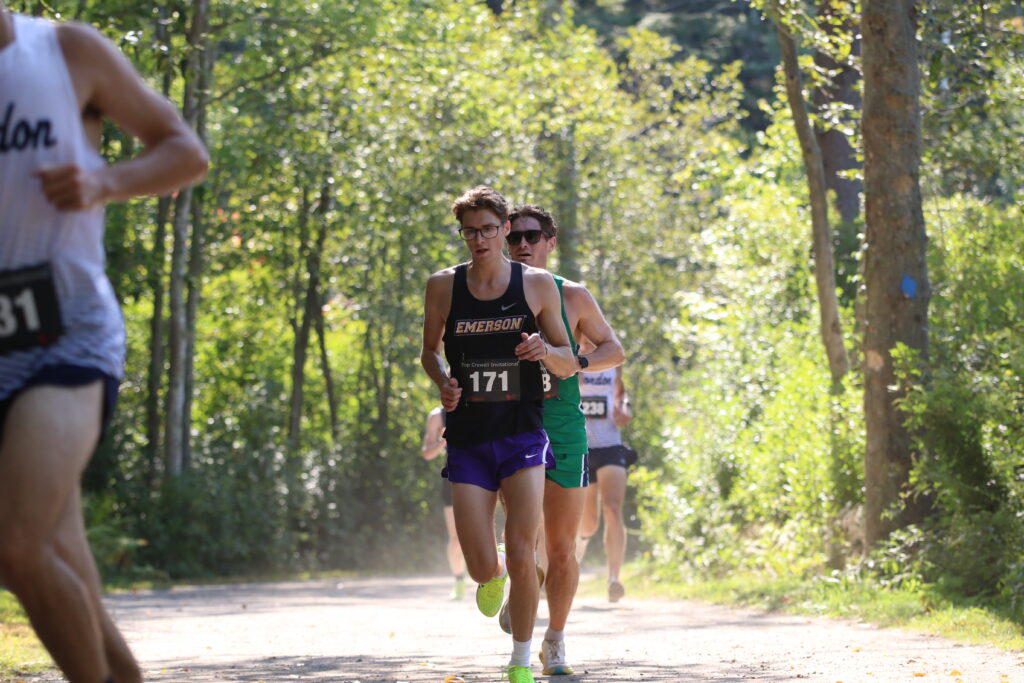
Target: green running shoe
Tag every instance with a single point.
(504, 620)
(489, 595)
(459, 589)
(518, 674)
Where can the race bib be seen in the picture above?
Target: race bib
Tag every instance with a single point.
(594, 407)
(29, 312)
(490, 380)
(548, 383)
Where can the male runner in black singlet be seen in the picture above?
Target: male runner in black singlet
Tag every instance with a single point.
(485, 315)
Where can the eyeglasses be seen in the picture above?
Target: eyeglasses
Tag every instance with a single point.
(487, 232)
(531, 236)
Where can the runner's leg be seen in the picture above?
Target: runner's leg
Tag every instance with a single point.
(73, 547)
(453, 550)
(563, 509)
(590, 521)
(523, 492)
(613, 491)
(49, 435)
(473, 511)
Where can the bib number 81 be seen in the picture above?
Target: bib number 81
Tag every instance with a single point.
(9, 306)
(29, 312)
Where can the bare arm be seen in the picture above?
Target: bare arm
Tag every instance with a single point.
(621, 413)
(433, 441)
(437, 303)
(106, 82)
(592, 325)
(542, 295)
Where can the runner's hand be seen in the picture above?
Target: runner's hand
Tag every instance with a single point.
(531, 348)
(70, 187)
(451, 394)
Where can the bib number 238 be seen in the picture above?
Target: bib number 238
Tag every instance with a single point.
(29, 312)
(594, 407)
(491, 379)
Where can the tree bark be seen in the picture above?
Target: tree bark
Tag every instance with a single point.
(821, 231)
(837, 154)
(157, 346)
(173, 450)
(325, 367)
(301, 337)
(156, 275)
(895, 266)
(195, 262)
(567, 204)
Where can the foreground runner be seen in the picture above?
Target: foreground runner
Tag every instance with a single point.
(62, 340)
(607, 409)
(486, 315)
(532, 239)
(433, 446)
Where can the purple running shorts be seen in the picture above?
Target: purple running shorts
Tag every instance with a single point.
(486, 464)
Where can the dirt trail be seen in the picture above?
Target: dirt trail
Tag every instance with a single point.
(397, 630)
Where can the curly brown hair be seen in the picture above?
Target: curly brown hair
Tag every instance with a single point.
(481, 197)
(548, 225)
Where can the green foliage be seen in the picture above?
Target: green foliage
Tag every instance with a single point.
(761, 457)
(968, 411)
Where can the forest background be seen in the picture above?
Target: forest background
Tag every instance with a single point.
(272, 411)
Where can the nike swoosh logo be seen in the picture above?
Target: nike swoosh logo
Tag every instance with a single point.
(532, 456)
(505, 308)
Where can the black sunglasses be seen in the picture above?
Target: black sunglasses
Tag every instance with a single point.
(532, 236)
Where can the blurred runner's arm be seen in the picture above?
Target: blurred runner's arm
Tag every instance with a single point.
(108, 85)
(433, 442)
(621, 413)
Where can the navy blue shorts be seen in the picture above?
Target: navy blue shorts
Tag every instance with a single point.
(486, 464)
(66, 376)
(622, 456)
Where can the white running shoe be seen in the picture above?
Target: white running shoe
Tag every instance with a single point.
(552, 656)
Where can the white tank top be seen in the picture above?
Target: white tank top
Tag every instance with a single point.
(597, 396)
(41, 125)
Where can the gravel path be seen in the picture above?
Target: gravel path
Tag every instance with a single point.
(405, 630)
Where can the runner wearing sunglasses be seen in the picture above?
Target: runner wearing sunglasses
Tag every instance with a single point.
(531, 240)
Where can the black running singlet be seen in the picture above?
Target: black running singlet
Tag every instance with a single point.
(501, 395)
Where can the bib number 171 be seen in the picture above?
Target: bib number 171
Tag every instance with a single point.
(490, 379)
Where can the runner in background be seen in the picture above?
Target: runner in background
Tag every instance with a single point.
(532, 239)
(433, 446)
(606, 406)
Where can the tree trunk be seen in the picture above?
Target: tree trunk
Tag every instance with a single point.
(301, 337)
(173, 451)
(155, 371)
(157, 273)
(195, 262)
(325, 367)
(895, 267)
(567, 204)
(821, 232)
(837, 154)
(195, 288)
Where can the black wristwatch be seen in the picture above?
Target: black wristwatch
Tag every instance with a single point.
(584, 363)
